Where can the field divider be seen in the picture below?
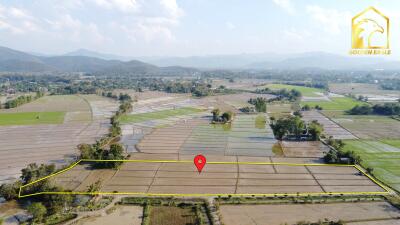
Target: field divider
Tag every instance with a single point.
(359, 168)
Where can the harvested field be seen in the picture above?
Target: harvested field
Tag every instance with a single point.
(368, 127)
(247, 135)
(304, 149)
(53, 143)
(279, 110)
(331, 128)
(374, 212)
(183, 178)
(123, 215)
(381, 157)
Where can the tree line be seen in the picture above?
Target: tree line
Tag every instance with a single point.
(104, 149)
(387, 109)
(23, 99)
(281, 94)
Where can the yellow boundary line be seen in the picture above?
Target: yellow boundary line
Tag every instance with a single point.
(386, 192)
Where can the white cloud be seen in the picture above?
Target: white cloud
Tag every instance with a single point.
(121, 5)
(295, 34)
(16, 20)
(287, 5)
(330, 20)
(230, 25)
(128, 22)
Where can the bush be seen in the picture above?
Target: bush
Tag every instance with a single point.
(38, 211)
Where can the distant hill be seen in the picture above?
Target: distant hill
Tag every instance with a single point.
(320, 60)
(93, 62)
(326, 61)
(213, 61)
(94, 54)
(17, 61)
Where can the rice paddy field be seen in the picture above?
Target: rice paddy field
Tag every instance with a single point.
(183, 177)
(382, 156)
(372, 91)
(305, 91)
(246, 135)
(157, 115)
(49, 129)
(367, 127)
(31, 118)
(334, 103)
(331, 127)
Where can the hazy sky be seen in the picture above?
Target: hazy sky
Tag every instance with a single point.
(186, 27)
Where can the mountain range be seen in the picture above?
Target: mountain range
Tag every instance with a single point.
(18, 61)
(88, 61)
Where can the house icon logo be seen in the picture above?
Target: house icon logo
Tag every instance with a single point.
(370, 33)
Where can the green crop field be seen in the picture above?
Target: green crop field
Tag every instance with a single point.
(393, 142)
(382, 157)
(336, 103)
(31, 118)
(163, 114)
(305, 91)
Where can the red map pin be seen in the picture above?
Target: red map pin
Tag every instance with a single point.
(200, 162)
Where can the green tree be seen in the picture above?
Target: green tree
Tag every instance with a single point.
(290, 125)
(315, 129)
(215, 114)
(86, 150)
(9, 191)
(227, 116)
(34, 172)
(38, 211)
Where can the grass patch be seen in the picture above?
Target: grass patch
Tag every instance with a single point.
(141, 117)
(277, 150)
(305, 91)
(336, 103)
(382, 157)
(260, 122)
(31, 118)
(59, 218)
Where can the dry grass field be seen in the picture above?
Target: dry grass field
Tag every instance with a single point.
(371, 212)
(304, 149)
(159, 215)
